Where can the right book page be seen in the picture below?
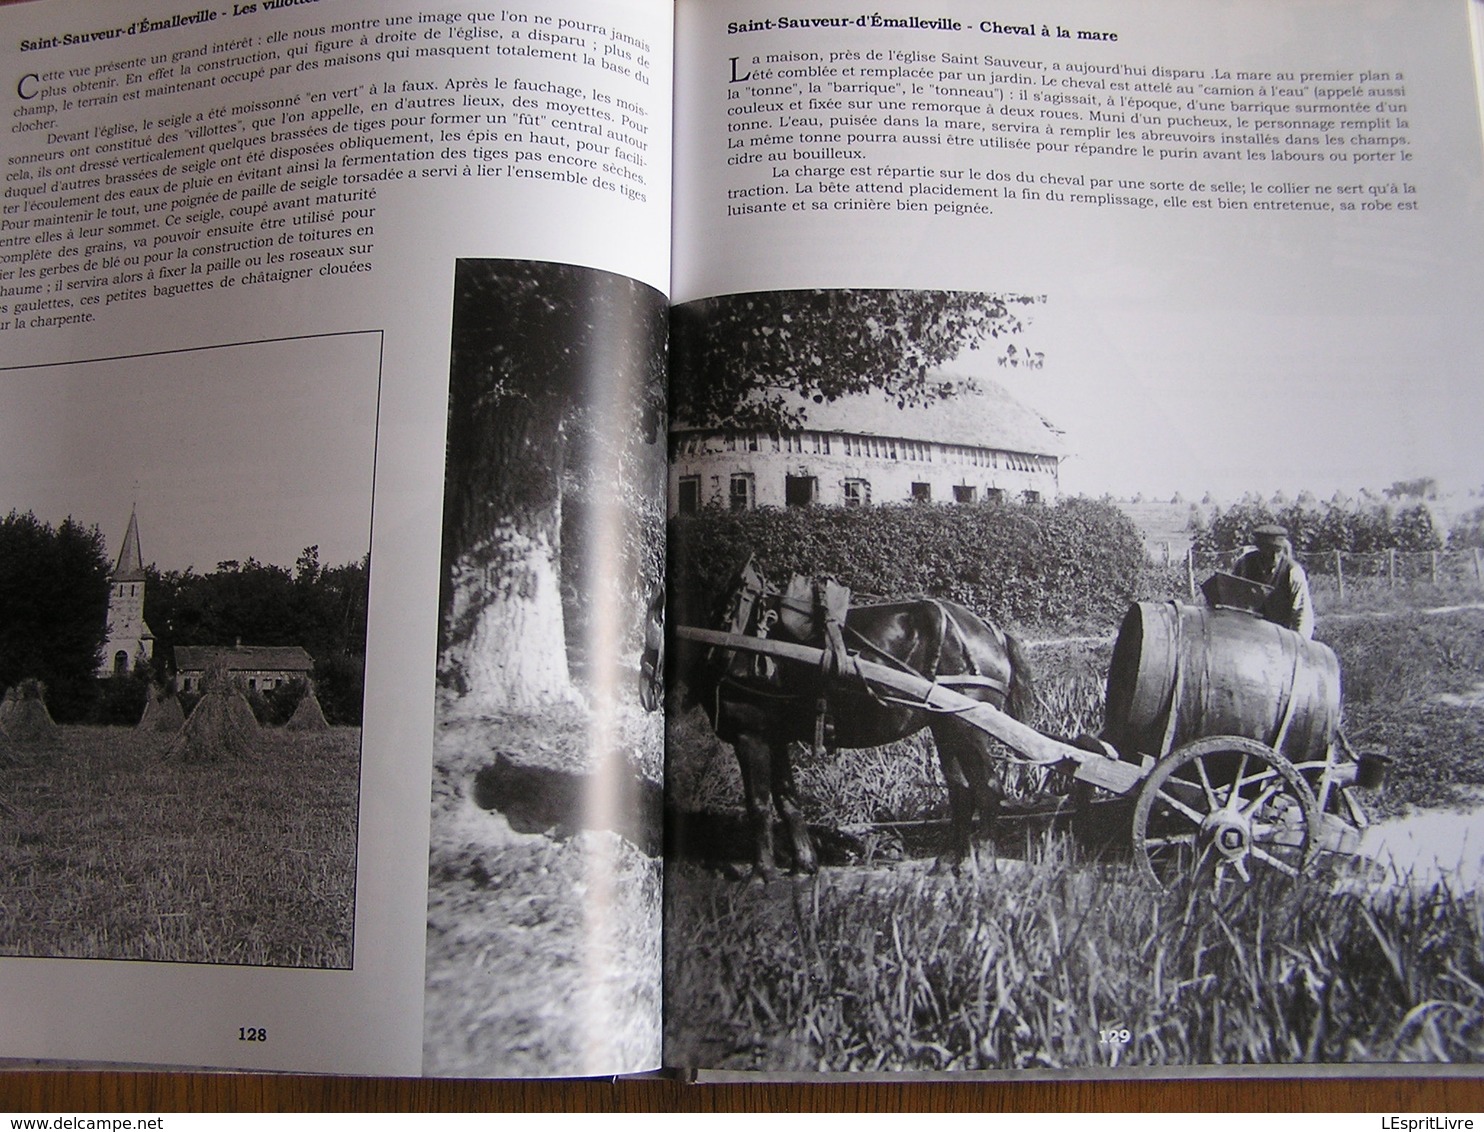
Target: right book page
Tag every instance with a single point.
(1022, 326)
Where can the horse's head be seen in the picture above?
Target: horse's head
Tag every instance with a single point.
(736, 603)
(694, 668)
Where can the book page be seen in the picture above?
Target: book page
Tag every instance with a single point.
(258, 269)
(1022, 324)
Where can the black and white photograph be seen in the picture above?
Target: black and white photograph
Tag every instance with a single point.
(184, 556)
(543, 952)
(983, 757)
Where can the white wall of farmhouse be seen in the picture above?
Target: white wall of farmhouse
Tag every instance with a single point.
(738, 470)
(978, 445)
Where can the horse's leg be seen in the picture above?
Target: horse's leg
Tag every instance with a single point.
(988, 796)
(788, 809)
(756, 762)
(960, 805)
(974, 795)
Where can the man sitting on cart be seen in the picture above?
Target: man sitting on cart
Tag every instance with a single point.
(1272, 564)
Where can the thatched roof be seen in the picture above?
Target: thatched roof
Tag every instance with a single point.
(981, 414)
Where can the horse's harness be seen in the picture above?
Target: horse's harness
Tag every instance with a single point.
(811, 609)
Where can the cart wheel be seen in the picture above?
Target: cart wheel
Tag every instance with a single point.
(1226, 807)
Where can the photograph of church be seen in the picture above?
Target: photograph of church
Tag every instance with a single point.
(184, 593)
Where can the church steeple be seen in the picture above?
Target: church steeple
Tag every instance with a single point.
(130, 566)
(127, 639)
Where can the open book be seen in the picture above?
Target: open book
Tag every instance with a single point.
(372, 372)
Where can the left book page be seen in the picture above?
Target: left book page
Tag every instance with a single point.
(331, 472)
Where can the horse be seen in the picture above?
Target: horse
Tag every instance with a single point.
(760, 704)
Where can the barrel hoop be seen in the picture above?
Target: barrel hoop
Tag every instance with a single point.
(1293, 690)
(1166, 743)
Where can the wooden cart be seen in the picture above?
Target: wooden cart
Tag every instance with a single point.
(1225, 773)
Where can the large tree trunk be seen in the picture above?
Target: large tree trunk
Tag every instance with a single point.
(504, 645)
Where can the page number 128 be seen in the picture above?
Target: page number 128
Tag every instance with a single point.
(252, 1034)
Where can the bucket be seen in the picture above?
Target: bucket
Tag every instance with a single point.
(1186, 672)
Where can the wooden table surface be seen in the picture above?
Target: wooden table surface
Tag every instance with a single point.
(172, 1092)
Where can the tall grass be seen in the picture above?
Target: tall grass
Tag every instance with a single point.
(1034, 966)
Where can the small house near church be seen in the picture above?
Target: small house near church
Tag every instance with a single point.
(978, 446)
(252, 668)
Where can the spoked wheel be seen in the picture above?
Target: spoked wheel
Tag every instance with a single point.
(1224, 808)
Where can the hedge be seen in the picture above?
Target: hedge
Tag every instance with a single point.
(1079, 561)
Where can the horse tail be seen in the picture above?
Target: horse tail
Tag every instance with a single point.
(1020, 697)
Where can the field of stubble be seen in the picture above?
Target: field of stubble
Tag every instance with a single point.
(109, 850)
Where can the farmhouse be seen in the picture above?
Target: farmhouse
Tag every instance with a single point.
(127, 640)
(978, 446)
(252, 668)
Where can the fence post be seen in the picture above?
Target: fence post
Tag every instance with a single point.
(1190, 571)
(1391, 566)
(1340, 575)
(1478, 566)
(1433, 565)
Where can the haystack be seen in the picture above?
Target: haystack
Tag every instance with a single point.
(308, 716)
(221, 724)
(162, 712)
(23, 714)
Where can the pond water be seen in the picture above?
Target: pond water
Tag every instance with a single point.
(1429, 845)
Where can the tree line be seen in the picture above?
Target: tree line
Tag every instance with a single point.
(1320, 529)
(54, 589)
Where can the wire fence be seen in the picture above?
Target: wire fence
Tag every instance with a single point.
(1344, 573)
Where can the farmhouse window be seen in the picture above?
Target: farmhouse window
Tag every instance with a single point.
(799, 491)
(857, 493)
(741, 496)
(121, 663)
(1032, 496)
(994, 495)
(922, 493)
(689, 501)
(962, 493)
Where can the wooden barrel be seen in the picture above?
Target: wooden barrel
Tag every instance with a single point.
(1183, 672)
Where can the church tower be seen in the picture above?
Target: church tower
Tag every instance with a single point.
(128, 639)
